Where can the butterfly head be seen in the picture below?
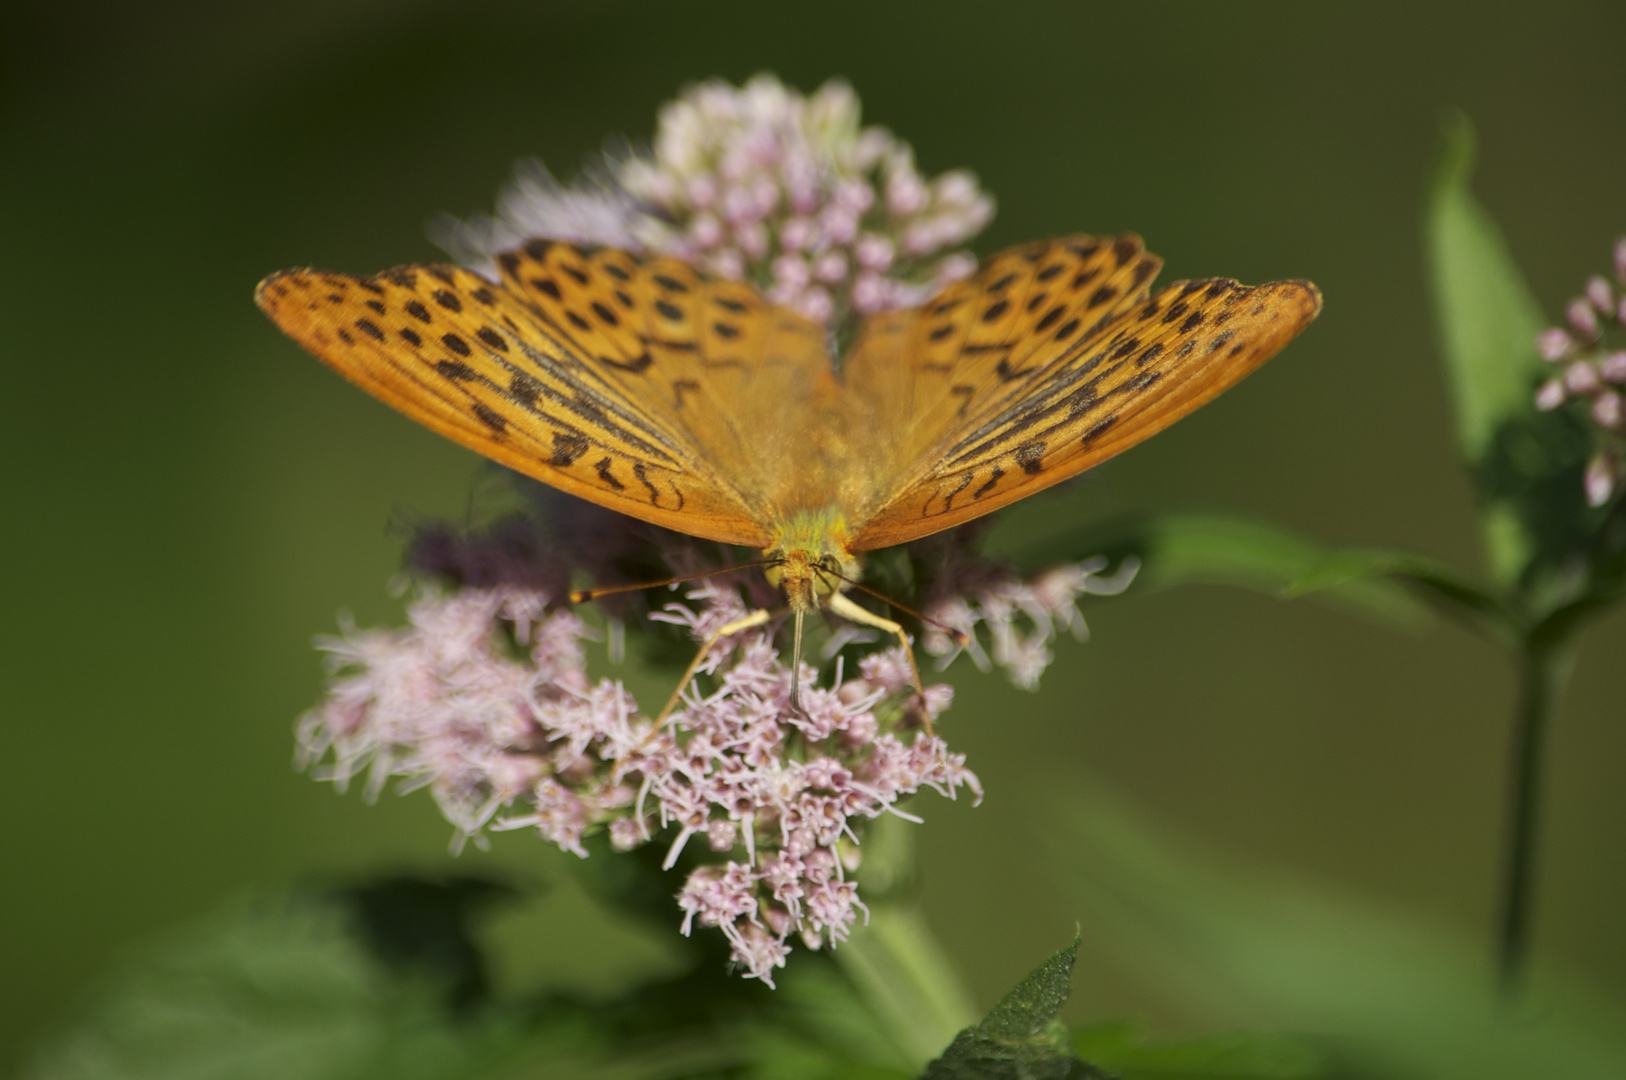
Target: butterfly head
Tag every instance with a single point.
(808, 558)
(807, 579)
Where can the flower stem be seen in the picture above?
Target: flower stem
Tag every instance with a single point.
(903, 975)
(1543, 670)
(894, 961)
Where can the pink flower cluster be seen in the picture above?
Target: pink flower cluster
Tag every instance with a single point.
(1593, 373)
(1022, 617)
(761, 183)
(484, 699)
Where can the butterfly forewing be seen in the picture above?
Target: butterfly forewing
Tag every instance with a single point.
(491, 369)
(746, 383)
(651, 388)
(1062, 406)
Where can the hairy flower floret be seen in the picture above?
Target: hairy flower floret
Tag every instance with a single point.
(484, 699)
(761, 183)
(1590, 354)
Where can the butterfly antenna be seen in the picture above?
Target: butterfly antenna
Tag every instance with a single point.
(581, 596)
(961, 638)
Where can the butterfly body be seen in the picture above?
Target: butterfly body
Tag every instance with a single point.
(691, 402)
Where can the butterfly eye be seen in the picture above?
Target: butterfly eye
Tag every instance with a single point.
(830, 564)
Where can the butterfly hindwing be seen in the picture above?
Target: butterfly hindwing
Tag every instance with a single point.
(1067, 405)
(651, 388)
(486, 367)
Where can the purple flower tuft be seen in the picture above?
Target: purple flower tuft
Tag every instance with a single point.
(761, 183)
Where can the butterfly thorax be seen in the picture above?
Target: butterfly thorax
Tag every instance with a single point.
(808, 557)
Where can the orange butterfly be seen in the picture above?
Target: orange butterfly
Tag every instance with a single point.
(648, 387)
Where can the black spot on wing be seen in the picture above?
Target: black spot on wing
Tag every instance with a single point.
(1051, 318)
(524, 389)
(948, 500)
(604, 474)
(491, 418)
(1030, 455)
(993, 479)
(567, 447)
(643, 478)
(1097, 429)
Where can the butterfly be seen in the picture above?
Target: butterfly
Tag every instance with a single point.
(649, 387)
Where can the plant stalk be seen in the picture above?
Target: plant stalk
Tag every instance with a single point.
(1543, 670)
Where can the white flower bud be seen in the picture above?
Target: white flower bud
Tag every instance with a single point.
(1612, 367)
(1606, 410)
(1602, 477)
(1583, 319)
(1600, 295)
(831, 268)
(874, 252)
(1550, 396)
(1581, 378)
(1554, 344)
(752, 239)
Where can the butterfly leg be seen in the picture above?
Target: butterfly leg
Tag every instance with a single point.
(838, 604)
(756, 618)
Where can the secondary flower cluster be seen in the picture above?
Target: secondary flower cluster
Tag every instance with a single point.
(1593, 373)
(1022, 617)
(484, 699)
(761, 183)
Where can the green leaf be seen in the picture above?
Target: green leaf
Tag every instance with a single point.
(1386, 995)
(1527, 465)
(1182, 548)
(1118, 1049)
(1021, 1039)
(270, 989)
(1437, 582)
(1488, 320)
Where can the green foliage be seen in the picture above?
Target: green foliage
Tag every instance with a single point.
(1022, 1038)
(1118, 1049)
(1183, 548)
(1389, 997)
(1526, 464)
(272, 989)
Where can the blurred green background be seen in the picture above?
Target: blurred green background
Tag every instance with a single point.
(188, 498)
